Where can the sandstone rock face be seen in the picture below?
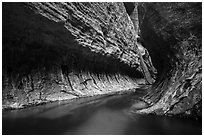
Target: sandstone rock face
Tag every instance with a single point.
(104, 28)
(172, 33)
(57, 51)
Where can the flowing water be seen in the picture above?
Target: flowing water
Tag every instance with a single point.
(108, 115)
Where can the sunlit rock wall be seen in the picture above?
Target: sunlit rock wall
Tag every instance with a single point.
(57, 51)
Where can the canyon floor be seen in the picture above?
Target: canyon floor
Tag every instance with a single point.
(105, 115)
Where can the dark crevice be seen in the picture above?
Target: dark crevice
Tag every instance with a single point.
(129, 6)
(163, 56)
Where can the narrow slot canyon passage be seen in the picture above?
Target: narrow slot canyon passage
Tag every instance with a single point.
(101, 68)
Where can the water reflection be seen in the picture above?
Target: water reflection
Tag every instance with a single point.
(107, 116)
(103, 122)
(161, 125)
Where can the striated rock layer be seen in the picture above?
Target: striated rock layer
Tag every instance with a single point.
(57, 51)
(172, 33)
(104, 28)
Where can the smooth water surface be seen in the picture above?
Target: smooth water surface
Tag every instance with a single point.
(108, 115)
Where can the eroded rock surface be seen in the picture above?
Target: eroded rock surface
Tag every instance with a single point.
(172, 33)
(57, 51)
(104, 28)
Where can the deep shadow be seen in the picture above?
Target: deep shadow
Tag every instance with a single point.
(163, 56)
(32, 42)
(129, 6)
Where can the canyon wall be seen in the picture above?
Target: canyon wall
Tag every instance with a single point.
(58, 51)
(172, 33)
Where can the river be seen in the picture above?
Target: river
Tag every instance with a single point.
(105, 115)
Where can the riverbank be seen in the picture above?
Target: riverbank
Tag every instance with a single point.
(104, 115)
(82, 99)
